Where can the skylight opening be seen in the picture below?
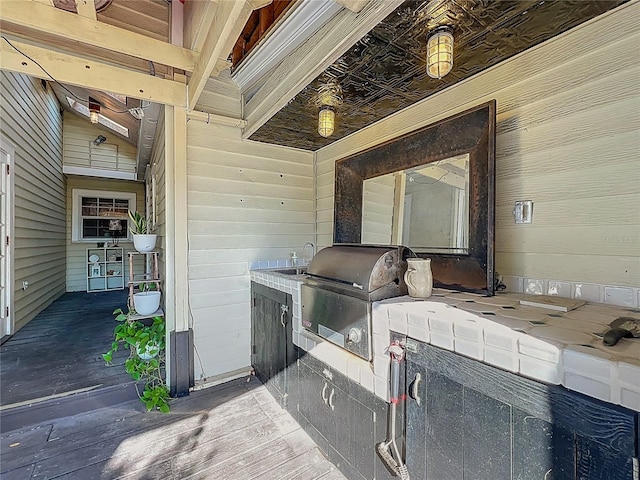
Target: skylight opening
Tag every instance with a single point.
(107, 122)
(121, 98)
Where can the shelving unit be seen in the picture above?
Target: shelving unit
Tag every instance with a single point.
(105, 269)
(151, 275)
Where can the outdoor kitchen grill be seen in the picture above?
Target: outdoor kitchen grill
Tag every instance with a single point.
(342, 282)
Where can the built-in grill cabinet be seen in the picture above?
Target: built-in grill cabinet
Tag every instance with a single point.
(341, 284)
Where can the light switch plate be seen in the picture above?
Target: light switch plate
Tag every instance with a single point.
(523, 211)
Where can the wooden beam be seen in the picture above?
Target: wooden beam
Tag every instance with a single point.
(313, 57)
(86, 9)
(223, 32)
(353, 5)
(67, 25)
(78, 71)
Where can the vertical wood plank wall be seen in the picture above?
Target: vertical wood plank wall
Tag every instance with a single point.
(79, 151)
(77, 251)
(31, 121)
(247, 202)
(567, 138)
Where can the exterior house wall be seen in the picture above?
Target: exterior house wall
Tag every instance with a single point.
(157, 176)
(77, 251)
(79, 151)
(247, 201)
(31, 122)
(568, 116)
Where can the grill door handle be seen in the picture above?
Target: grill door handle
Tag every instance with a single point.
(325, 399)
(331, 395)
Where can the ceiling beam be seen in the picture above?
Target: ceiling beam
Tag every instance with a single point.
(68, 25)
(222, 33)
(353, 5)
(313, 57)
(94, 75)
(86, 9)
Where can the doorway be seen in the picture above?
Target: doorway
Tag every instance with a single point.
(7, 153)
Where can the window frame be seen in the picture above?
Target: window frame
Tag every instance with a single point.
(76, 214)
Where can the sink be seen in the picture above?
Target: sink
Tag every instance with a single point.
(291, 271)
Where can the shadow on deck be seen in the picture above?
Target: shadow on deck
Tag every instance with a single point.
(55, 362)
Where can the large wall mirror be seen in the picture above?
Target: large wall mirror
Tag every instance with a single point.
(431, 190)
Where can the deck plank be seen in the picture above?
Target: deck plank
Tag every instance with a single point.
(61, 349)
(235, 431)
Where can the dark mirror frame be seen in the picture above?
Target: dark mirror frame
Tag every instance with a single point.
(472, 132)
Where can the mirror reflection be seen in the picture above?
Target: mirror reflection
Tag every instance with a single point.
(425, 208)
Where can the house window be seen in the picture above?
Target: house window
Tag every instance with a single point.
(101, 215)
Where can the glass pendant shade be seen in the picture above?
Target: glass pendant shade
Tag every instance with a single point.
(440, 53)
(94, 110)
(326, 120)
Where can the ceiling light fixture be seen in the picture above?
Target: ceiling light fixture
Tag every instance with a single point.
(94, 110)
(440, 52)
(329, 97)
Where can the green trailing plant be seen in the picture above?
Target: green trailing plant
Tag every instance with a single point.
(146, 359)
(139, 223)
(148, 287)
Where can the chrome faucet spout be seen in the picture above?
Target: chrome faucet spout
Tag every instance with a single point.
(313, 249)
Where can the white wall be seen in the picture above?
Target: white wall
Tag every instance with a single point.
(77, 251)
(247, 202)
(31, 121)
(567, 138)
(79, 151)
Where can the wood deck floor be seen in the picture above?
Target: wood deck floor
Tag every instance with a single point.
(235, 431)
(60, 350)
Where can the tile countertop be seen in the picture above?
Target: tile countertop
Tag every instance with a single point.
(543, 344)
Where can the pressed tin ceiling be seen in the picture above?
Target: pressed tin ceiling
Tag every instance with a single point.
(385, 71)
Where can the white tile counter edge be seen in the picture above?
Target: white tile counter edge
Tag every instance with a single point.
(585, 369)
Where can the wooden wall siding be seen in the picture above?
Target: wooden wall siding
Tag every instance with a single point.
(78, 149)
(77, 251)
(221, 96)
(567, 138)
(31, 121)
(157, 163)
(247, 202)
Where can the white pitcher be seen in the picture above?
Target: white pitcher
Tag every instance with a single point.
(418, 277)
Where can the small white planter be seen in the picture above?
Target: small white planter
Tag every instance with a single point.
(146, 303)
(144, 243)
(150, 351)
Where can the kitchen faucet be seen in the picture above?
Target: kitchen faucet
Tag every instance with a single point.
(313, 249)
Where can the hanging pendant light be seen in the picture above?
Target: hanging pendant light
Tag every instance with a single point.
(440, 52)
(329, 97)
(326, 120)
(94, 110)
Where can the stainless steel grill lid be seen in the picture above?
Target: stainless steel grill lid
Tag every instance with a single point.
(365, 267)
(341, 283)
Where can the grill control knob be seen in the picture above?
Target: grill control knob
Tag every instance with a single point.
(355, 335)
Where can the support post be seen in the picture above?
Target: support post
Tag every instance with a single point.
(179, 335)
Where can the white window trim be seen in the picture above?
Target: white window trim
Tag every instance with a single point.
(76, 212)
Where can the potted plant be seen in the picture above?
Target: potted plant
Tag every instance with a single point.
(146, 359)
(143, 241)
(147, 300)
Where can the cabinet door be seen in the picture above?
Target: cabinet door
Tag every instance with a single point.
(270, 323)
(474, 421)
(313, 394)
